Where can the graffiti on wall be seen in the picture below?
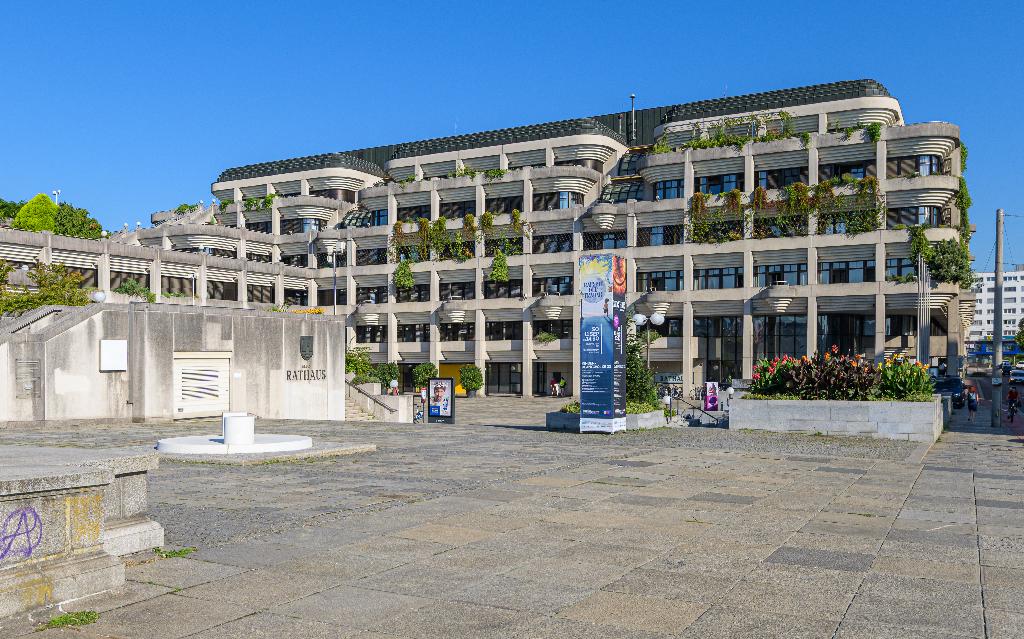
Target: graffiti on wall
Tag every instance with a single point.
(21, 532)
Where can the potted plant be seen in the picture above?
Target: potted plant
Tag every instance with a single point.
(471, 378)
(386, 373)
(422, 373)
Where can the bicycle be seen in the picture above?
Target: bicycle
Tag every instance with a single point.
(1012, 410)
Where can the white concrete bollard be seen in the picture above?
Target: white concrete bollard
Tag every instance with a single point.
(224, 421)
(239, 429)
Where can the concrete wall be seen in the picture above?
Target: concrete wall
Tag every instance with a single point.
(262, 347)
(915, 421)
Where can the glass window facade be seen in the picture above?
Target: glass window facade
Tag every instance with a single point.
(719, 347)
(556, 200)
(501, 290)
(503, 378)
(619, 192)
(853, 334)
(413, 332)
(713, 184)
(371, 334)
(561, 328)
(659, 281)
(668, 189)
(660, 235)
(778, 335)
(457, 291)
(556, 285)
(899, 267)
(504, 330)
(371, 295)
(793, 274)
(715, 278)
(849, 272)
(457, 210)
(457, 331)
(418, 293)
(779, 178)
(604, 241)
(913, 215)
(557, 243)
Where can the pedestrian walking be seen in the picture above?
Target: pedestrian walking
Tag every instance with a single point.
(972, 403)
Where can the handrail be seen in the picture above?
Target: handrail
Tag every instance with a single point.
(375, 400)
(718, 420)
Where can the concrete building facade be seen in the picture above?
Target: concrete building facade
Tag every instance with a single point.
(694, 196)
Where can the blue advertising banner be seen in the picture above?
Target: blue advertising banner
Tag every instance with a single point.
(602, 343)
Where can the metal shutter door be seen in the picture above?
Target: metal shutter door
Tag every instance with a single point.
(200, 387)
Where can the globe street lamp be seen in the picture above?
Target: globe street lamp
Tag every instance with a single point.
(656, 319)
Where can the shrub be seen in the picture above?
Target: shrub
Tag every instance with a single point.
(545, 337)
(901, 379)
(365, 379)
(315, 310)
(422, 374)
(632, 408)
(770, 377)
(133, 288)
(403, 276)
(357, 360)
(386, 372)
(38, 214)
(499, 268)
(824, 376)
(55, 285)
(640, 387)
(472, 378)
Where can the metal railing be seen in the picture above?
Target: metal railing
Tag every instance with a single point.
(372, 398)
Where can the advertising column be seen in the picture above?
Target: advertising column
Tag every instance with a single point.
(602, 343)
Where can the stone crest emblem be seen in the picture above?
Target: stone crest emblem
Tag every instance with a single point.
(306, 347)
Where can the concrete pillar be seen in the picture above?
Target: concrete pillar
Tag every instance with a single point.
(243, 288)
(417, 170)
(240, 218)
(881, 155)
(812, 266)
(631, 226)
(502, 161)
(155, 278)
(549, 156)
(435, 339)
(481, 201)
(275, 254)
(748, 270)
(527, 190)
(813, 165)
(576, 317)
(480, 350)
(880, 262)
(103, 272)
(435, 202)
(632, 276)
(822, 123)
(688, 178)
(527, 353)
(688, 352)
(688, 272)
(392, 208)
(303, 187)
(275, 218)
(812, 325)
(241, 250)
(236, 196)
(311, 288)
(279, 288)
(954, 334)
(748, 169)
(527, 280)
(748, 338)
(165, 242)
(46, 252)
(392, 339)
(201, 282)
(879, 327)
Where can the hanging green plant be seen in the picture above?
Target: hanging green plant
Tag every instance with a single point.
(268, 200)
(794, 210)
(499, 267)
(403, 276)
(963, 157)
(494, 174)
(423, 240)
(469, 228)
(874, 131)
(661, 146)
(487, 224)
(919, 245)
(440, 240)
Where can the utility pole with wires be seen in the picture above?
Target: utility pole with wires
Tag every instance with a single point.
(997, 328)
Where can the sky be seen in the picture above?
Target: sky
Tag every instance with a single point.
(130, 108)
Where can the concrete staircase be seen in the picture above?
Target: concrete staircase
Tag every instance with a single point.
(353, 413)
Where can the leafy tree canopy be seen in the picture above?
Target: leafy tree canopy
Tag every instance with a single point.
(55, 285)
(75, 222)
(37, 214)
(41, 214)
(8, 209)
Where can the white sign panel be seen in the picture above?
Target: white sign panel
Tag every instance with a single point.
(113, 355)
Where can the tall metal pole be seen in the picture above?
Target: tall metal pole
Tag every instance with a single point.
(632, 117)
(334, 265)
(997, 327)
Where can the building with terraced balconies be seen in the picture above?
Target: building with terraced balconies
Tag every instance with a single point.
(758, 225)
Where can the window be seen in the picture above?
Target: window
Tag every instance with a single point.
(913, 215)
(929, 164)
(325, 296)
(418, 293)
(856, 170)
(371, 295)
(604, 241)
(558, 243)
(660, 235)
(712, 184)
(367, 256)
(719, 347)
(457, 291)
(779, 178)
(561, 328)
(379, 217)
(499, 205)
(851, 333)
(504, 330)
(555, 285)
(504, 378)
(899, 325)
(371, 334)
(672, 327)
(621, 191)
(296, 296)
(260, 227)
(715, 278)
(659, 281)
(846, 272)
(775, 336)
(265, 294)
(792, 274)
(627, 163)
(221, 290)
(502, 290)
(457, 331)
(413, 332)
(299, 259)
(556, 200)
(508, 245)
(413, 213)
(899, 267)
(457, 210)
(668, 189)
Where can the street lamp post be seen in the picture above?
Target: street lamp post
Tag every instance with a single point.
(56, 197)
(656, 319)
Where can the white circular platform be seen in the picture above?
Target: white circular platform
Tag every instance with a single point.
(214, 445)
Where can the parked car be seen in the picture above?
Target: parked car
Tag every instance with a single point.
(1017, 376)
(1006, 367)
(952, 387)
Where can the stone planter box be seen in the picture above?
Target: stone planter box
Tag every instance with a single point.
(571, 421)
(914, 421)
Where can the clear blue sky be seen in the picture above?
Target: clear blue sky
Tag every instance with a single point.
(135, 107)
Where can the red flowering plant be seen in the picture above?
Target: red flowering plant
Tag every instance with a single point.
(770, 375)
(828, 375)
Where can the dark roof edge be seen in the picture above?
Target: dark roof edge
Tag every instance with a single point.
(307, 163)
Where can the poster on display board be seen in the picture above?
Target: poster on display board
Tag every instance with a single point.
(602, 343)
(711, 396)
(440, 405)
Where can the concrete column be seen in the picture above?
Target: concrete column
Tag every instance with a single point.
(812, 325)
(481, 201)
(527, 280)
(435, 203)
(279, 288)
(349, 283)
(236, 196)
(881, 156)
(527, 190)
(478, 280)
(813, 165)
(303, 187)
(879, 327)
(822, 123)
(880, 262)
(155, 279)
(480, 348)
(749, 278)
(392, 340)
(631, 276)
(350, 252)
(275, 254)
(392, 208)
(240, 218)
(688, 352)
(688, 272)
(527, 354)
(748, 338)
(576, 317)
(954, 334)
(435, 338)
(243, 288)
(688, 178)
(201, 282)
(503, 161)
(165, 242)
(417, 170)
(46, 252)
(311, 288)
(103, 272)
(748, 169)
(812, 266)
(631, 227)
(549, 156)
(241, 249)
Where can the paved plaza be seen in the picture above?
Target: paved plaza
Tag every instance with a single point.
(497, 528)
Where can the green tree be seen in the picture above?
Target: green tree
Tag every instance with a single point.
(387, 371)
(422, 373)
(357, 360)
(9, 209)
(471, 378)
(36, 215)
(54, 284)
(1019, 337)
(640, 387)
(134, 288)
(75, 222)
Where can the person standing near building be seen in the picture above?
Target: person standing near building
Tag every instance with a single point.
(972, 403)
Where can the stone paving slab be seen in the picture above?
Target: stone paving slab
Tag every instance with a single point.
(476, 531)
